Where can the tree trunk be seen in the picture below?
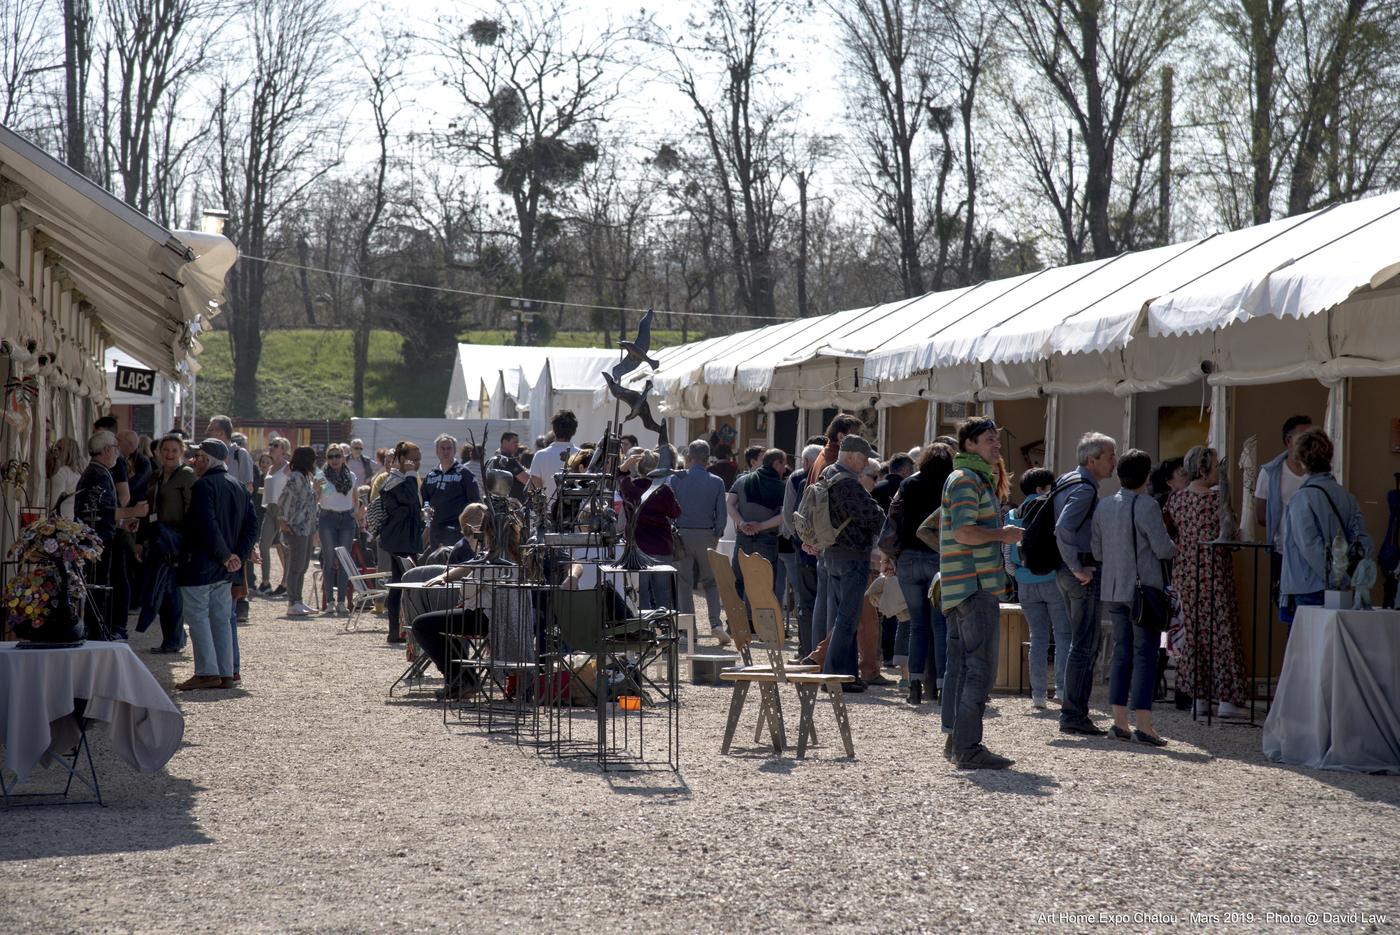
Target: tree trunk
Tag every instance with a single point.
(802, 310)
(75, 59)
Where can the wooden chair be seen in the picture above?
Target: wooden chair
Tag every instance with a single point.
(734, 608)
(767, 623)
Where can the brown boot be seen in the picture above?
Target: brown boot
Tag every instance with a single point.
(199, 682)
(228, 681)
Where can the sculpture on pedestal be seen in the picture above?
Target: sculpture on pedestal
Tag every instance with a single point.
(1249, 474)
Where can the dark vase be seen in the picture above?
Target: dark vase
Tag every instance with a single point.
(62, 624)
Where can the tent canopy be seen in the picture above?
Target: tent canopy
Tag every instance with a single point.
(81, 253)
(1242, 306)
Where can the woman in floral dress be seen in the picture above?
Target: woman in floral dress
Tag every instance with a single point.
(1211, 663)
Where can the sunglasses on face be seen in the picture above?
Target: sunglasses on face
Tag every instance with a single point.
(334, 457)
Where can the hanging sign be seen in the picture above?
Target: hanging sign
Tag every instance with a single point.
(136, 381)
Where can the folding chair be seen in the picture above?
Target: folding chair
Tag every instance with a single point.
(767, 623)
(362, 594)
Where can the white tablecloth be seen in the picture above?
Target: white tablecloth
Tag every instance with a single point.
(1338, 700)
(37, 688)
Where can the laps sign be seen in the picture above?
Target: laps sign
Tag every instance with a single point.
(136, 381)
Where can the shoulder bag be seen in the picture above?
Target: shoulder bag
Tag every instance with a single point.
(1152, 608)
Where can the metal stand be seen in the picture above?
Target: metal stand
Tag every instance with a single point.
(1256, 549)
(69, 761)
(593, 647)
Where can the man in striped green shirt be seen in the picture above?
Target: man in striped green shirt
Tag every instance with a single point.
(973, 582)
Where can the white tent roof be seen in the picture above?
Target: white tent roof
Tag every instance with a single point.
(146, 287)
(1136, 321)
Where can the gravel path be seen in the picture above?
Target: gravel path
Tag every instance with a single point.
(307, 803)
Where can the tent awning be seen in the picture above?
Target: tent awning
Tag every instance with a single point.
(146, 287)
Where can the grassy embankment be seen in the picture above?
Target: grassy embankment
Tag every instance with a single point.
(307, 374)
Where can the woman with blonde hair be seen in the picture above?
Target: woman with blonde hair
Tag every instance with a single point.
(334, 496)
(64, 464)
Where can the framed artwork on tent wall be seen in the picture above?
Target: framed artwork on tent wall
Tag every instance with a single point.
(950, 414)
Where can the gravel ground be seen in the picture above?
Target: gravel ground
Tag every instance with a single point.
(307, 802)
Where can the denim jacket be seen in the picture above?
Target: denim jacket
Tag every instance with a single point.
(1310, 526)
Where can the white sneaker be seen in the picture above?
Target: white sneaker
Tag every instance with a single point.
(1231, 710)
(723, 637)
(1038, 702)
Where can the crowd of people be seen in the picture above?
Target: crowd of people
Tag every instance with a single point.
(191, 530)
(931, 539)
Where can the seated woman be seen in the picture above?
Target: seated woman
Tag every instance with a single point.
(504, 614)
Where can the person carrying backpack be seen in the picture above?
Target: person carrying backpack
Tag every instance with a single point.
(857, 519)
(1073, 500)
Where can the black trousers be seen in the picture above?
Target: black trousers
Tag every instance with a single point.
(431, 629)
(110, 598)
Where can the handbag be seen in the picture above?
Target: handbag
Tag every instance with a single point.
(1151, 608)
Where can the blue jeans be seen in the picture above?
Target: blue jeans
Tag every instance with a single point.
(1288, 607)
(821, 605)
(803, 578)
(916, 571)
(974, 635)
(233, 633)
(337, 531)
(1134, 660)
(765, 544)
(654, 589)
(846, 579)
(209, 615)
(1044, 607)
(1082, 605)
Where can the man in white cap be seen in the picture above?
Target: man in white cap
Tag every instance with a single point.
(220, 527)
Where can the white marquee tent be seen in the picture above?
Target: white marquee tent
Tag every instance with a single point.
(1307, 296)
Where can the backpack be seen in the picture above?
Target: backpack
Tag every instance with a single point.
(812, 518)
(1040, 553)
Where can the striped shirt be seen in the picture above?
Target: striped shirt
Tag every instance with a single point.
(968, 500)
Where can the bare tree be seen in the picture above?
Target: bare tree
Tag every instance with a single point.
(156, 45)
(891, 87)
(384, 71)
(533, 96)
(743, 128)
(1098, 57)
(25, 52)
(77, 59)
(611, 227)
(272, 142)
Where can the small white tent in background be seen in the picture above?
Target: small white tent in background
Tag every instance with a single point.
(152, 415)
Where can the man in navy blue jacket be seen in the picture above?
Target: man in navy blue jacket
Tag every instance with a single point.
(448, 488)
(220, 526)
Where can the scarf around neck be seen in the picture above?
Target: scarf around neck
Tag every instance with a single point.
(341, 478)
(765, 488)
(974, 462)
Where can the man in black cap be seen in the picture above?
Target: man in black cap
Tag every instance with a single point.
(220, 527)
(847, 562)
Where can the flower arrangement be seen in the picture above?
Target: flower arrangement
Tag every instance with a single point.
(49, 581)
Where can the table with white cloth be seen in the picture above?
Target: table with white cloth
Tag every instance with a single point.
(1338, 700)
(37, 690)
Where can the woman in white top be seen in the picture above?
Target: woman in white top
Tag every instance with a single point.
(65, 465)
(336, 497)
